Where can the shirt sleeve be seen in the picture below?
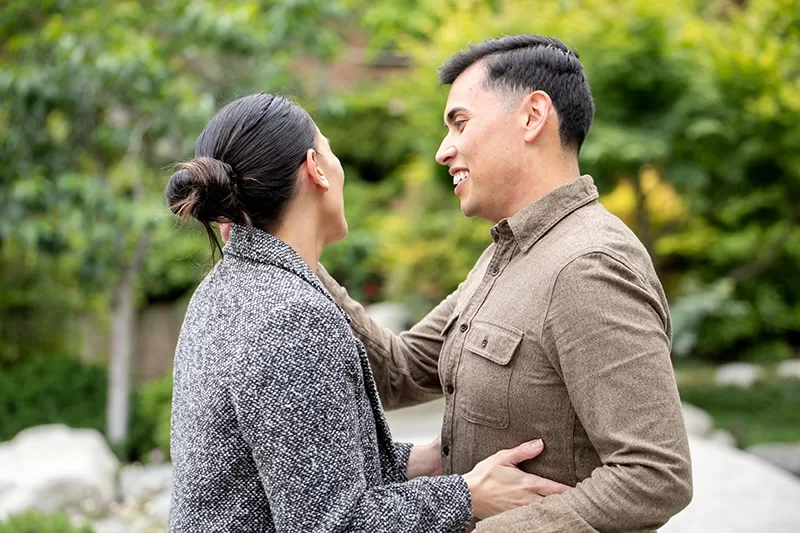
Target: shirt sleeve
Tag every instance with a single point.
(296, 403)
(406, 366)
(607, 332)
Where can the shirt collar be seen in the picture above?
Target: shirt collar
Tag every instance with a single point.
(532, 222)
(259, 246)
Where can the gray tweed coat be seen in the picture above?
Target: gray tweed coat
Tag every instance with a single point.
(276, 421)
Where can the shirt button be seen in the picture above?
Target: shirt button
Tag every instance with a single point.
(494, 271)
(446, 450)
(484, 343)
(462, 328)
(450, 389)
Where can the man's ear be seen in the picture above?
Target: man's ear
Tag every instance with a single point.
(312, 170)
(536, 106)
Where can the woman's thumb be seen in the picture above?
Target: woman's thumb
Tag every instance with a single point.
(525, 451)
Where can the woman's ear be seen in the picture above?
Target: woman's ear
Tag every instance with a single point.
(314, 172)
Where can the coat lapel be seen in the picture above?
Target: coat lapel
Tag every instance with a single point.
(387, 451)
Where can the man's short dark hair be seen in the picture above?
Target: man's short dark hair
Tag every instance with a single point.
(527, 63)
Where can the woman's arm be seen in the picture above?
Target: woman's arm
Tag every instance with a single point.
(295, 399)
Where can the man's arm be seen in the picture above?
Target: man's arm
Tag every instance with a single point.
(606, 333)
(406, 365)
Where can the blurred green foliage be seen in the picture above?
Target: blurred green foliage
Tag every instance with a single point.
(96, 100)
(765, 413)
(769, 411)
(151, 419)
(52, 389)
(59, 389)
(695, 146)
(34, 522)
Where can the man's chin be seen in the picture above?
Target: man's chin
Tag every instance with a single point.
(467, 209)
(471, 211)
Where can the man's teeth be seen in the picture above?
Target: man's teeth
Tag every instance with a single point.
(460, 176)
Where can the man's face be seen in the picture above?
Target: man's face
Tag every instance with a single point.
(482, 146)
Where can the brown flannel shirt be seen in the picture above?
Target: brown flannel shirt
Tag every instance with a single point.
(561, 331)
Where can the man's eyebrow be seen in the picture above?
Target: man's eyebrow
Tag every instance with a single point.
(451, 115)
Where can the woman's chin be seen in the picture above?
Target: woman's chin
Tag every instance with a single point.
(341, 234)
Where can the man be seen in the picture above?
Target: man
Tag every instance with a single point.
(561, 331)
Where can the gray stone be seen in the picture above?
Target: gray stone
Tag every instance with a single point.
(723, 436)
(110, 525)
(53, 467)
(139, 482)
(736, 492)
(158, 507)
(143, 524)
(393, 316)
(78, 519)
(698, 422)
(785, 455)
(743, 375)
(789, 369)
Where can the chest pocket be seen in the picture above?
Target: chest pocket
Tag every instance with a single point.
(485, 372)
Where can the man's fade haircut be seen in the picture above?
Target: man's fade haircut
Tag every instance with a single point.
(519, 64)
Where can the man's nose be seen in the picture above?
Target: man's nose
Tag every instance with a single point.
(445, 153)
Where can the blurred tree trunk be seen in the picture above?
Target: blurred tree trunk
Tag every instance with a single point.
(123, 328)
(123, 303)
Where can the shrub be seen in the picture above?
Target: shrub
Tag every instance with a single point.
(58, 389)
(150, 420)
(33, 522)
(767, 412)
(49, 390)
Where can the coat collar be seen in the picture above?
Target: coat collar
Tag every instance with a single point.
(259, 246)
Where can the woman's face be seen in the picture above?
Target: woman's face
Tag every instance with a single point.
(333, 199)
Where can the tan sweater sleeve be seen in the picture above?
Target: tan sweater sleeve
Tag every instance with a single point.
(405, 365)
(608, 334)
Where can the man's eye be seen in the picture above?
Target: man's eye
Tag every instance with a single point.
(459, 123)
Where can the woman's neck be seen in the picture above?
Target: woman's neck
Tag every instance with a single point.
(304, 236)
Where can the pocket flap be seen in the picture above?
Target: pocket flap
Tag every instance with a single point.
(494, 342)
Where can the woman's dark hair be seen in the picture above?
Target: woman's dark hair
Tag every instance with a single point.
(245, 165)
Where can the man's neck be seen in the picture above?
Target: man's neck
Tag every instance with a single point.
(541, 181)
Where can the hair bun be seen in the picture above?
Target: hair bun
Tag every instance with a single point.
(204, 188)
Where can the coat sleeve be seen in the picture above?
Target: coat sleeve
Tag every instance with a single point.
(403, 451)
(295, 398)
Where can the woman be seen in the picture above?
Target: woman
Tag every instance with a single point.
(276, 421)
